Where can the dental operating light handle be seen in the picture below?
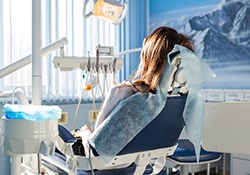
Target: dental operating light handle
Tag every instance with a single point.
(124, 13)
(27, 60)
(84, 10)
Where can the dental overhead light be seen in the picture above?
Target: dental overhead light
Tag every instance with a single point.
(107, 10)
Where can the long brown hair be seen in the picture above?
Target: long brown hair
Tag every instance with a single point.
(154, 56)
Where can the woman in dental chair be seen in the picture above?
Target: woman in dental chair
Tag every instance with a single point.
(155, 50)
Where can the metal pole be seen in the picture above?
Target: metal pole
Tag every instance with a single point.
(36, 60)
(36, 52)
(15, 165)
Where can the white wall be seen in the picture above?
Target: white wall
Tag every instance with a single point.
(82, 117)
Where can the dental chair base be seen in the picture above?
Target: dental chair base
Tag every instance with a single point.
(139, 163)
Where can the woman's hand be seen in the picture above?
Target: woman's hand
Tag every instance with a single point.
(86, 128)
(84, 133)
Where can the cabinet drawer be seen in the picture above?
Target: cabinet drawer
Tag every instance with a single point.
(240, 166)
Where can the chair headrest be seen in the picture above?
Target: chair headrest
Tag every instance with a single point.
(178, 83)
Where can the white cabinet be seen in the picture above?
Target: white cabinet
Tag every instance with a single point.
(240, 164)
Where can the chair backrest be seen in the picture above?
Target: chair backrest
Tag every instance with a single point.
(166, 128)
(163, 131)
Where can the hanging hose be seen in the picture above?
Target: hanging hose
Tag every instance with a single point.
(114, 68)
(77, 109)
(105, 84)
(90, 162)
(19, 95)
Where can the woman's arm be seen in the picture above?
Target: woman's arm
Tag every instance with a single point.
(113, 97)
(84, 133)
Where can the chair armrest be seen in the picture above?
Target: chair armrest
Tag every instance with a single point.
(65, 134)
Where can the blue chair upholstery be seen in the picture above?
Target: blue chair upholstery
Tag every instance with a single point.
(65, 134)
(162, 132)
(184, 155)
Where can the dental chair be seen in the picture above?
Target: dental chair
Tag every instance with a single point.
(146, 153)
(154, 142)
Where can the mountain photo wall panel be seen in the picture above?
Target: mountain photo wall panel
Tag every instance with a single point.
(221, 33)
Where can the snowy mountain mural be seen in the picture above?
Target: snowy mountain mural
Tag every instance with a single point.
(221, 35)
